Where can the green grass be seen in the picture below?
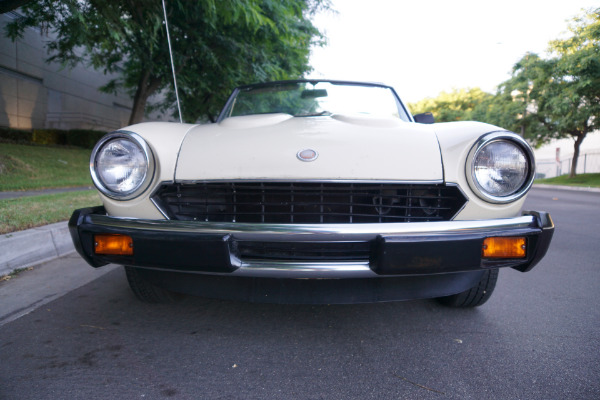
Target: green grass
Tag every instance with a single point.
(24, 167)
(29, 212)
(585, 180)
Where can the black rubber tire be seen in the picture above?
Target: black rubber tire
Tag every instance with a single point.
(146, 291)
(475, 296)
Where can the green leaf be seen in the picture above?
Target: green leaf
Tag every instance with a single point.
(217, 45)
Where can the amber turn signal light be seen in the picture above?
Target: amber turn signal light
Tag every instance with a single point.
(504, 247)
(120, 245)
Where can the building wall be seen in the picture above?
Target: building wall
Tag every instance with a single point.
(35, 94)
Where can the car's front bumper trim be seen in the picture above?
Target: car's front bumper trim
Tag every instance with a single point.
(396, 248)
(314, 231)
(283, 269)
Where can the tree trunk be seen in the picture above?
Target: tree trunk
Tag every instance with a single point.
(578, 139)
(139, 105)
(146, 88)
(139, 100)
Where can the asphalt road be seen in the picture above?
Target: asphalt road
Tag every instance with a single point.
(537, 338)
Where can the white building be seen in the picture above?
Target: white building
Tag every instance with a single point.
(35, 94)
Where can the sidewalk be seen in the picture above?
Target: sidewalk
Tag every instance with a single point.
(26, 193)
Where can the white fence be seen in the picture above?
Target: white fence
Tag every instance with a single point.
(588, 162)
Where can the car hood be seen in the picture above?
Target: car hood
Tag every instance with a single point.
(348, 147)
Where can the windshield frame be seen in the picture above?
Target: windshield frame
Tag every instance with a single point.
(403, 113)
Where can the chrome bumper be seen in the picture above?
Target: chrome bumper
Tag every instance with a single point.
(397, 248)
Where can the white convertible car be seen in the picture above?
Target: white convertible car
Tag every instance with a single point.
(313, 191)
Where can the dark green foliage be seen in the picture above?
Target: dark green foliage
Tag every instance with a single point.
(84, 138)
(217, 45)
(48, 137)
(9, 5)
(457, 105)
(16, 135)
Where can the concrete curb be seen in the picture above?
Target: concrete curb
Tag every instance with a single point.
(34, 246)
(570, 188)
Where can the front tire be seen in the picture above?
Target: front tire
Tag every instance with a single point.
(147, 291)
(475, 296)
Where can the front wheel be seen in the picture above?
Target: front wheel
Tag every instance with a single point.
(475, 296)
(147, 291)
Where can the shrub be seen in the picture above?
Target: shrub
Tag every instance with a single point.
(48, 136)
(85, 138)
(16, 135)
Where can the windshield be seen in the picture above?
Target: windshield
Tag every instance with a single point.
(308, 99)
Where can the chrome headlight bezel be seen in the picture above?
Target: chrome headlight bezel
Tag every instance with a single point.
(483, 142)
(138, 141)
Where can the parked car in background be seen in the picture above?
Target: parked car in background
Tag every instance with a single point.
(313, 191)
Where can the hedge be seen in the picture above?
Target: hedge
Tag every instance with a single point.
(16, 135)
(85, 138)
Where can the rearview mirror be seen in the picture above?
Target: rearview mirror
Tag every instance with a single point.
(313, 94)
(424, 118)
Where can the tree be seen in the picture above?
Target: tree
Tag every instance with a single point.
(515, 104)
(560, 96)
(217, 44)
(457, 105)
(545, 98)
(574, 107)
(9, 5)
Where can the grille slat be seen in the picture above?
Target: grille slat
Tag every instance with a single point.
(234, 205)
(307, 202)
(347, 215)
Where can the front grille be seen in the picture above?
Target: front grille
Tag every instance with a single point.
(302, 251)
(308, 202)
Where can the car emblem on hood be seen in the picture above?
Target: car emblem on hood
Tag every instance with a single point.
(307, 155)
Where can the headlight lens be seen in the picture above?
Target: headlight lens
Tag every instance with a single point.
(122, 165)
(501, 168)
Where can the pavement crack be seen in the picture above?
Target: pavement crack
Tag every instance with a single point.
(417, 384)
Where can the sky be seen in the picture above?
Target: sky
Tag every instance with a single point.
(422, 48)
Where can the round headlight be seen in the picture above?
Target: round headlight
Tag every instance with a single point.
(122, 165)
(501, 168)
